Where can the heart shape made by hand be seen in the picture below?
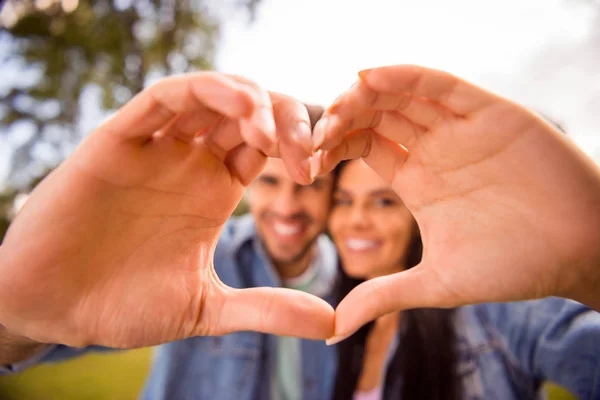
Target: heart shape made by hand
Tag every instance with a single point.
(116, 246)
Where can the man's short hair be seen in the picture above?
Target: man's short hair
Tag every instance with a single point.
(314, 112)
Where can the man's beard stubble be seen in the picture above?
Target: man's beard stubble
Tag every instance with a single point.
(283, 262)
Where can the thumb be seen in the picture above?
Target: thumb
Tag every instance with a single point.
(417, 287)
(284, 312)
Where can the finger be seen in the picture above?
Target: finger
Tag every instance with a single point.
(158, 105)
(290, 120)
(191, 124)
(355, 144)
(362, 108)
(245, 163)
(397, 128)
(335, 122)
(384, 156)
(222, 137)
(414, 288)
(451, 92)
(294, 134)
(419, 110)
(284, 312)
(294, 123)
(258, 129)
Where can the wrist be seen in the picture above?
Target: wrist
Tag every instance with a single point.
(15, 348)
(584, 274)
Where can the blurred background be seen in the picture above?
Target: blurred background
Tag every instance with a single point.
(66, 65)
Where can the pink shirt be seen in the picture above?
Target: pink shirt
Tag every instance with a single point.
(373, 394)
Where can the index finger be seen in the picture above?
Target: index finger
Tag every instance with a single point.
(421, 95)
(451, 92)
(157, 105)
(294, 131)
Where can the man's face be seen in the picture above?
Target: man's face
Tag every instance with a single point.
(289, 217)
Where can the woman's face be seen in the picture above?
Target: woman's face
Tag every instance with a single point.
(369, 223)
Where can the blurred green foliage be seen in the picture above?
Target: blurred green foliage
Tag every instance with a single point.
(74, 66)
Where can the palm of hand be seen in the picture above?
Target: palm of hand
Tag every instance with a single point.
(479, 215)
(159, 208)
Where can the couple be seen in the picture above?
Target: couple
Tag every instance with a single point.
(144, 199)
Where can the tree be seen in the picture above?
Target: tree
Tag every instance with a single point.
(73, 58)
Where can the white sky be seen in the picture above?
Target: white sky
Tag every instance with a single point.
(312, 49)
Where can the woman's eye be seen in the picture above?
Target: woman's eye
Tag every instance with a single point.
(385, 202)
(268, 180)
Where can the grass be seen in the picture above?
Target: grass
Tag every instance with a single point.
(556, 392)
(114, 376)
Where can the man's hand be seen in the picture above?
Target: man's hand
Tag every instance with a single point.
(116, 246)
(508, 208)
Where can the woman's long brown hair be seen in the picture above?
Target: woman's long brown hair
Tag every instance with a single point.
(424, 363)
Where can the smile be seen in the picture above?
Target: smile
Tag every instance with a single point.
(354, 244)
(287, 229)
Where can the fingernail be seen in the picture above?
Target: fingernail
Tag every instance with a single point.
(363, 74)
(315, 165)
(334, 340)
(303, 135)
(263, 117)
(319, 133)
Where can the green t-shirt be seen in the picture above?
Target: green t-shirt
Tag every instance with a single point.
(286, 384)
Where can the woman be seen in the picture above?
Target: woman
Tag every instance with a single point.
(491, 351)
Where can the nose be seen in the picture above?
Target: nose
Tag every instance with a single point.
(287, 202)
(359, 216)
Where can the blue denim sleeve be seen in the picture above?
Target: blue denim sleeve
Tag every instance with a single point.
(52, 353)
(553, 339)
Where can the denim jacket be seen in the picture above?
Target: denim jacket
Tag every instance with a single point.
(505, 349)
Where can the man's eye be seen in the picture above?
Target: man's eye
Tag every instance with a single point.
(268, 180)
(342, 202)
(316, 185)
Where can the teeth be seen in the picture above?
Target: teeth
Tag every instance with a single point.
(287, 229)
(360, 244)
